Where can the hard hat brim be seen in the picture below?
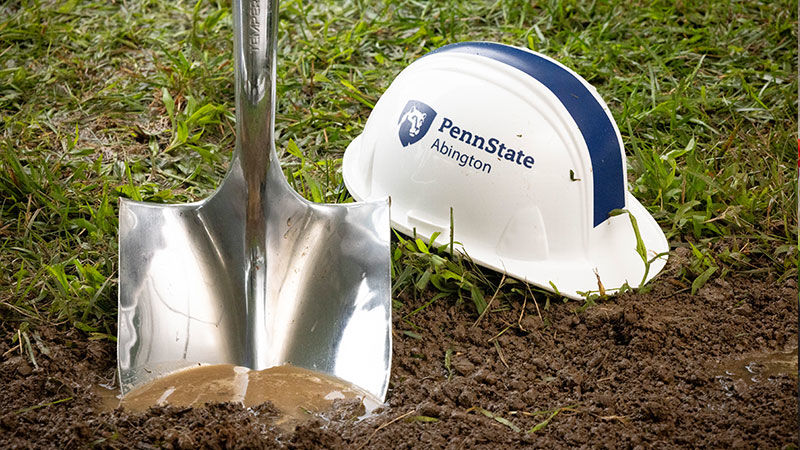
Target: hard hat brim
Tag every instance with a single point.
(611, 258)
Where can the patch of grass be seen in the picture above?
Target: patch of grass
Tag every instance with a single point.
(551, 414)
(101, 100)
(495, 417)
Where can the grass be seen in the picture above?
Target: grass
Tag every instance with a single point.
(101, 100)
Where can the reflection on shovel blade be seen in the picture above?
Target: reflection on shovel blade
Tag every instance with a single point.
(184, 281)
(255, 275)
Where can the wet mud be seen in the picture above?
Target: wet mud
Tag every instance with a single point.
(758, 367)
(660, 369)
(296, 393)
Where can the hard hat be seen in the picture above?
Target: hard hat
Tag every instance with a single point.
(526, 154)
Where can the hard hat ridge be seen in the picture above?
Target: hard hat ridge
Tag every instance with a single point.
(594, 122)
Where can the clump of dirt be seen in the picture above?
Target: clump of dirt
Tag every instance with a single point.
(642, 369)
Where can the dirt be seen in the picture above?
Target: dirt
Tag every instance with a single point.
(663, 368)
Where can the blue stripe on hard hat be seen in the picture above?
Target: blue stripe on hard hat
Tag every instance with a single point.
(588, 113)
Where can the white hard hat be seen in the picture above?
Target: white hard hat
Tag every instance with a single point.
(527, 155)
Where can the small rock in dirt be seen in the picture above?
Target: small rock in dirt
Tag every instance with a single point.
(437, 395)
(576, 378)
(530, 323)
(475, 357)
(665, 374)
(24, 369)
(429, 409)
(452, 390)
(467, 398)
(530, 396)
(630, 317)
(460, 332)
(539, 363)
(694, 378)
(457, 415)
(604, 400)
(744, 310)
(486, 377)
(655, 411)
(516, 385)
(462, 365)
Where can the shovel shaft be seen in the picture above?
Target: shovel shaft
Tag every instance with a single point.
(255, 28)
(255, 25)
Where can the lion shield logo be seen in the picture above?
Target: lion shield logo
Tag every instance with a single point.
(415, 120)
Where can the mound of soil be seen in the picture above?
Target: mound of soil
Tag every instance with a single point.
(664, 369)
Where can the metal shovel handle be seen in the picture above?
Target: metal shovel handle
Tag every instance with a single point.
(255, 28)
(255, 35)
(254, 45)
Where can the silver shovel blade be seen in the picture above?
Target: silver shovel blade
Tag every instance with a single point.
(184, 278)
(255, 275)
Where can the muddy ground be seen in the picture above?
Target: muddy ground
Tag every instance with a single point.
(665, 369)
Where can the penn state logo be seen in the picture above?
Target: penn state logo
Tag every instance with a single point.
(415, 121)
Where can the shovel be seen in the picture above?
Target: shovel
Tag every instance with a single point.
(255, 275)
